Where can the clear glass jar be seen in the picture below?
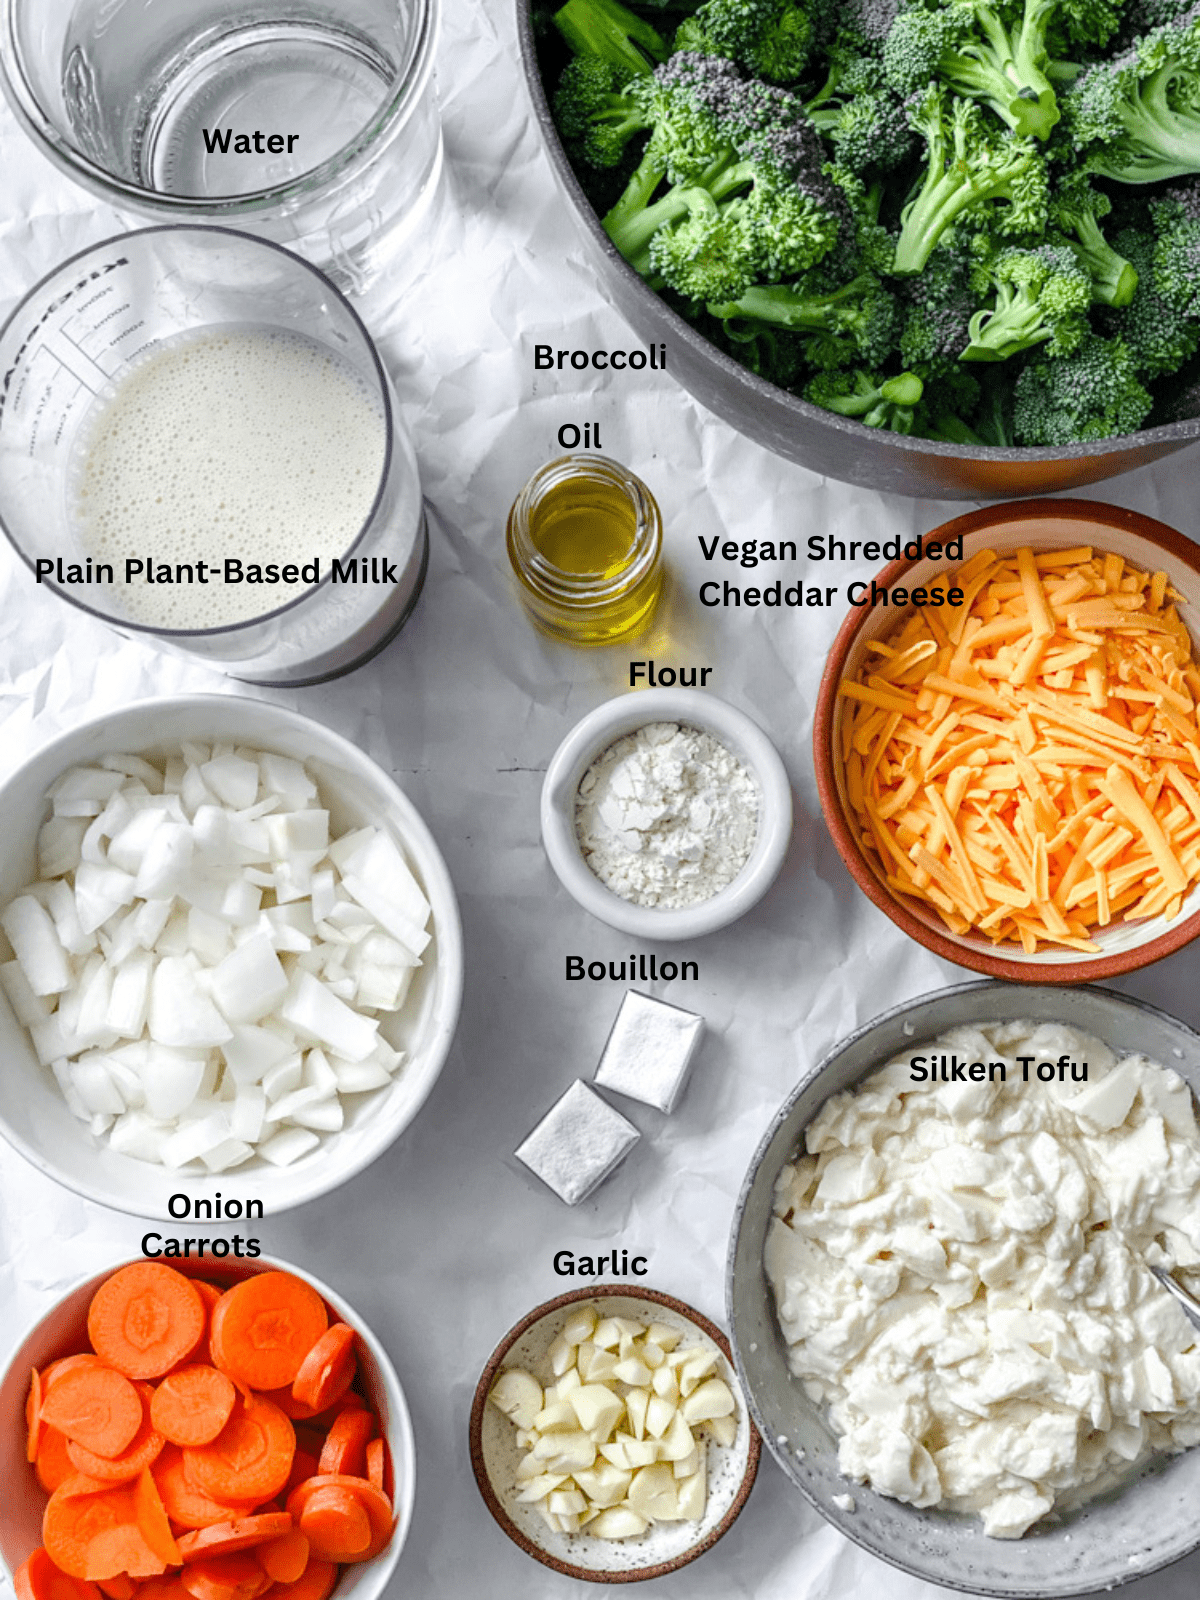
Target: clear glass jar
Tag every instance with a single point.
(312, 123)
(585, 542)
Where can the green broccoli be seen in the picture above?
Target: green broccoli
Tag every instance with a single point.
(1177, 257)
(999, 54)
(746, 198)
(863, 117)
(1138, 114)
(1042, 297)
(940, 305)
(769, 38)
(1076, 207)
(1094, 393)
(595, 115)
(857, 322)
(1160, 333)
(888, 403)
(610, 31)
(975, 172)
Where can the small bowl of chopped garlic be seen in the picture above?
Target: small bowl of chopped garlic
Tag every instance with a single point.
(1007, 741)
(666, 813)
(609, 1435)
(944, 1297)
(230, 958)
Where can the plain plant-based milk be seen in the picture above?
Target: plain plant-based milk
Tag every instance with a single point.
(256, 445)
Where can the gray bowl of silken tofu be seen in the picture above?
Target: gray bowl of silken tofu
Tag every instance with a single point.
(1150, 1521)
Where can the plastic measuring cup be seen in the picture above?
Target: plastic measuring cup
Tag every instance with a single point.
(104, 313)
(312, 122)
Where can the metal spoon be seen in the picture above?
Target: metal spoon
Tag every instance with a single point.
(1191, 1306)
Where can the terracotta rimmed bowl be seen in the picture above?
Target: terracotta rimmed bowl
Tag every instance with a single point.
(1137, 1527)
(63, 1331)
(494, 1452)
(1044, 525)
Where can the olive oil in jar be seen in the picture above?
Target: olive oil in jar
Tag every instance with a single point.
(585, 543)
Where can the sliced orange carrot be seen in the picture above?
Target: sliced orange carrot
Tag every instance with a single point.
(91, 1531)
(251, 1458)
(39, 1579)
(374, 1503)
(285, 1558)
(96, 1407)
(152, 1520)
(227, 1538)
(328, 1369)
(145, 1319)
(263, 1328)
(209, 1295)
(141, 1452)
(186, 1504)
(59, 1369)
(290, 1406)
(54, 1464)
(237, 1577)
(345, 1447)
(192, 1404)
(168, 1587)
(33, 1416)
(379, 1467)
(303, 1466)
(316, 1583)
(122, 1587)
(336, 1525)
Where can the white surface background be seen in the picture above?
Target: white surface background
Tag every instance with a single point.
(443, 1244)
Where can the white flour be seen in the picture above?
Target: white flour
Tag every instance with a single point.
(667, 816)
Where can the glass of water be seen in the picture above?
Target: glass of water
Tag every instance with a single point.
(199, 445)
(312, 122)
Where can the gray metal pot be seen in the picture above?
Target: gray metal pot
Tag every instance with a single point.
(837, 447)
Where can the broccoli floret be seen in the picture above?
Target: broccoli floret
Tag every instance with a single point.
(1138, 114)
(888, 403)
(1094, 393)
(940, 305)
(974, 172)
(966, 45)
(608, 30)
(1157, 331)
(771, 39)
(1177, 257)
(747, 199)
(1042, 297)
(863, 117)
(857, 322)
(595, 116)
(1076, 207)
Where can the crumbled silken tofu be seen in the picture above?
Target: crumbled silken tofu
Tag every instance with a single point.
(611, 1450)
(961, 1272)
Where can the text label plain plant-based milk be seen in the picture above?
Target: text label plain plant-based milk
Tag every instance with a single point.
(240, 442)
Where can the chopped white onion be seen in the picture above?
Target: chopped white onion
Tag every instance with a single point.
(200, 966)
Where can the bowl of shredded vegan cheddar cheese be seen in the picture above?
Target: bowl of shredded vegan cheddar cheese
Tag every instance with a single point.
(1013, 774)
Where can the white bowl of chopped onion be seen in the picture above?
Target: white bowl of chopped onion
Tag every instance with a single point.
(1014, 779)
(231, 957)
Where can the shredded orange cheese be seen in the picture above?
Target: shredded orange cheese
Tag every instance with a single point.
(1031, 768)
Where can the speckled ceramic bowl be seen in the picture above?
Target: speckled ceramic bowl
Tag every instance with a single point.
(1151, 1521)
(63, 1331)
(1044, 525)
(667, 1546)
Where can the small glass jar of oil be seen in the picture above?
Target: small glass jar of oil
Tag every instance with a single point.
(585, 542)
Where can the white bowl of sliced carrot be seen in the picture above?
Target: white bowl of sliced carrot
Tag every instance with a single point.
(176, 1436)
(1010, 766)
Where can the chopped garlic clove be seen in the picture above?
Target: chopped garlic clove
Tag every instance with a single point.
(519, 1395)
